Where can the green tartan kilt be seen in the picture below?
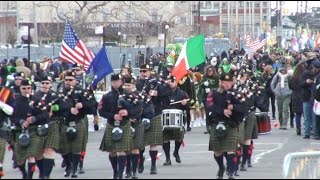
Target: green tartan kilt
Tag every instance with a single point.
(173, 134)
(72, 146)
(138, 140)
(154, 135)
(34, 149)
(52, 140)
(86, 135)
(109, 145)
(241, 133)
(227, 144)
(250, 127)
(3, 143)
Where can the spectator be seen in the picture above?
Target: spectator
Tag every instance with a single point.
(267, 76)
(280, 87)
(21, 67)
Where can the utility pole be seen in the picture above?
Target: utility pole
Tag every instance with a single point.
(35, 23)
(279, 23)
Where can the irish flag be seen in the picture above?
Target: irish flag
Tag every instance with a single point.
(191, 55)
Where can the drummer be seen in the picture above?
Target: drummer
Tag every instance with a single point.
(173, 98)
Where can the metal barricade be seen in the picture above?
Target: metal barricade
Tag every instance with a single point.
(302, 165)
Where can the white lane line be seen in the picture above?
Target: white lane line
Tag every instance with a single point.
(259, 156)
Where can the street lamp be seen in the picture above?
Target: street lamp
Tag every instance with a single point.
(165, 38)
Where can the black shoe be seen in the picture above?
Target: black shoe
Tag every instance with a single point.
(230, 175)
(284, 128)
(306, 137)
(15, 165)
(67, 173)
(316, 138)
(115, 176)
(298, 132)
(220, 173)
(134, 176)
(188, 128)
(242, 167)
(236, 173)
(167, 163)
(141, 165)
(176, 155)
(206, 132)
(249, 163)
(81, 171)
(63, 164)
(128, 174)
(74, 176)
(153, 170)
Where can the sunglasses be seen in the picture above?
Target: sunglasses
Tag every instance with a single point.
(144, 71)
(47, 83)
(19, 79)
(27, 88)
(69, 79)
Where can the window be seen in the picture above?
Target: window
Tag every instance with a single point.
(241, 3)
(256, 4)
(248, 4)
(208, 5)
(224, 5)
(216, 5)
(265, 4)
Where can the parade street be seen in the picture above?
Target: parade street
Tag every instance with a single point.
(197, 162)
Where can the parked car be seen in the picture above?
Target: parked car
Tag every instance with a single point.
(5, 46)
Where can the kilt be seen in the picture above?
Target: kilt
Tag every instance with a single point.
(241, 133)
(138, 140)
(227, 144)
(109, 145)
(52, 139)
(250, 127)
(72, 146)
(3, 143)
(34, 149)
(86, 134)
(154, 135)
(173, 134)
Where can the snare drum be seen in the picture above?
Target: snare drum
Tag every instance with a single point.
(172, 119)
(264, 124)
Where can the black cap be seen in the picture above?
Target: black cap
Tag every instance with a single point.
(20, 74)
(129, 80)
(25, 83)
(70, 73)
(145, 67)
(115, 77)
(226, 76)
(47, 78)
(172, 78)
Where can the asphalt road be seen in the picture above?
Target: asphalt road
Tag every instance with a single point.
(197, 162)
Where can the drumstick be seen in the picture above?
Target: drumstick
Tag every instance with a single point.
(179, 101)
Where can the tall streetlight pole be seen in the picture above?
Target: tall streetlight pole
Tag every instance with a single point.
(119, 34)
(198, 17)
(165, 38)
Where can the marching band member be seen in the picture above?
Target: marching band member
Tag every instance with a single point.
(225, 112)
(73, 131)
(135, 104)
(27, 117)
(116, 142)
(6, 110)
(174, 94)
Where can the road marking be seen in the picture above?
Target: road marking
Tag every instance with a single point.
(259, 156)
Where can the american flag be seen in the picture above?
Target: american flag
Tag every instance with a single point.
(257, 43)
(73, 50)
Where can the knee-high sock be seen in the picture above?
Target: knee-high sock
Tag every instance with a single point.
(40, 166)
(75, 162)
(245, 153)
(23, 170)
(231, 163)
(121, 164)
(134, 159)
(114, 164)
(250, 151)
(83, 154)
(238, 156)
(177, 147)
(166, 149)
(219, 160)
(141, 155)
(47, 167)
(153, 155)
(31, 169)
(128, 164)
